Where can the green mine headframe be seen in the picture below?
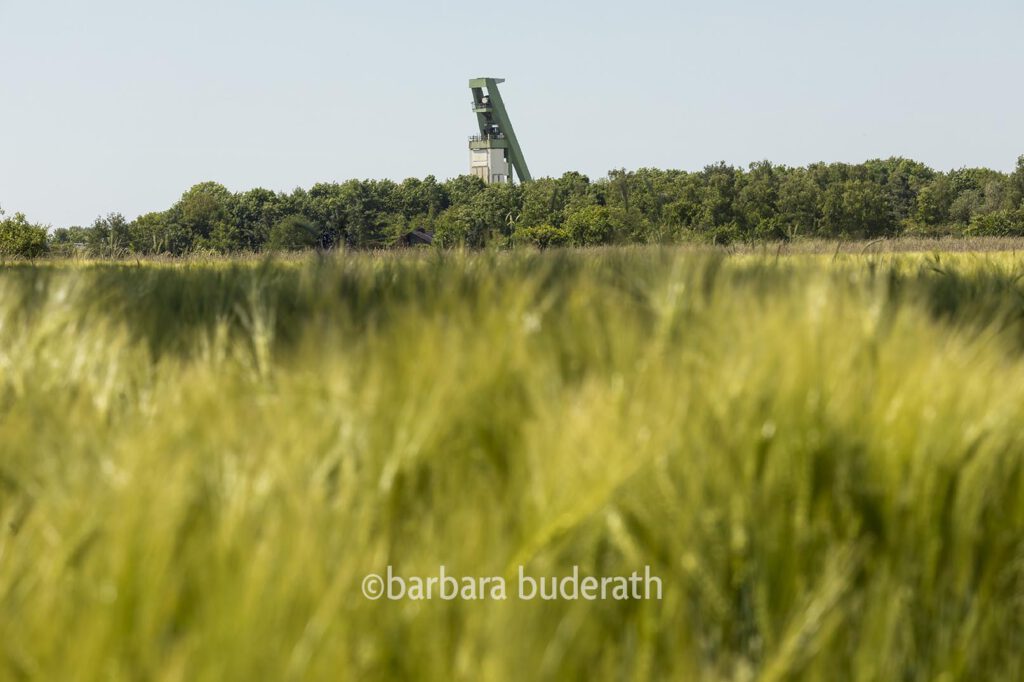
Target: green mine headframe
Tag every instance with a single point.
(496, 147)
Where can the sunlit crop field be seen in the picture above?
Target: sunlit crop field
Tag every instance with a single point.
(820, 455)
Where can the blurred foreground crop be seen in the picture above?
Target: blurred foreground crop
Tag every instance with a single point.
(820, 456)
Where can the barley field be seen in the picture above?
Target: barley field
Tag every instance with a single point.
(819, 454)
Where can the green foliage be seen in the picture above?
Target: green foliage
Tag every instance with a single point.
(204, 208)
(723, 235)
(541, 236)
(109, 237)
(158, 233)
(721, 187)
(489, 217)
(821, 458)
(542, 204)
(935, 201)
(456, 227)
(424, 198)
(547, 201)
(254, 212)
(69, 241)
(998, 224)
(293, 233)
(902, 180)
(757, 201)
(495, 211)
(595, 225)
(1016, 189)
(719, 204)
(857, 209)
(462, 189)
(20, 238)
(799, 202)
(967, 204)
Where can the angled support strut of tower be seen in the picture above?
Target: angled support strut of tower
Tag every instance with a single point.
(496, 147)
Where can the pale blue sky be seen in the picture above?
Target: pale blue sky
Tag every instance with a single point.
(118, 105)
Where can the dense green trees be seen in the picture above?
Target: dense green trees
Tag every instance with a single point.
(721, 203)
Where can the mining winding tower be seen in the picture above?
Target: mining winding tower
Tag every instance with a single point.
(495, 152)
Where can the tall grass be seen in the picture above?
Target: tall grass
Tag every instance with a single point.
(821, 457)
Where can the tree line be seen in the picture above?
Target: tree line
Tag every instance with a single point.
(719, 204)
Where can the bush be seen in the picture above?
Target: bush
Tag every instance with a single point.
(771, 229)
(20, 238)
(541, 236)
(998, 224)
(723, 235)
(293, 233)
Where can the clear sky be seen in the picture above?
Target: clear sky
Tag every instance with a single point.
(121, 105)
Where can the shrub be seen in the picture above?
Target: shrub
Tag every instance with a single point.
(998, 224)
(723, 235)
(293, 233)
(541, 236)
(20, 238)
(771, 229)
